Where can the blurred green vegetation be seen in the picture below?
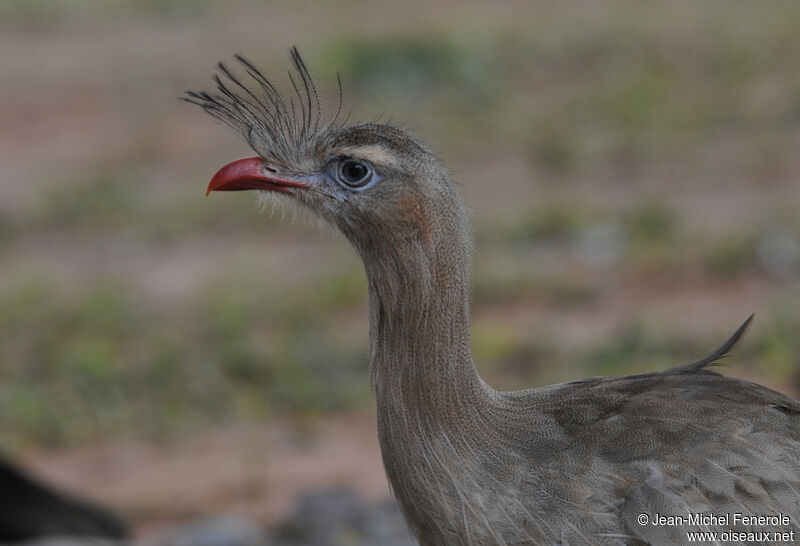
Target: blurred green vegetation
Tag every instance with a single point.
(98, 361)
(656, 84)
(635, 127)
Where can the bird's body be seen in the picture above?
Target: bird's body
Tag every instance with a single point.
(575, 463)
(579, 463)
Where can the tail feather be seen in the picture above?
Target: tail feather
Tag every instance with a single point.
(721, 352)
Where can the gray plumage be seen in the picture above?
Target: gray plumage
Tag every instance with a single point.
(574, 463)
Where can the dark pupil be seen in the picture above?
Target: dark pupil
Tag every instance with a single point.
(354, 172)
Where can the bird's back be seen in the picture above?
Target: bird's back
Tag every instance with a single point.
(605, 458)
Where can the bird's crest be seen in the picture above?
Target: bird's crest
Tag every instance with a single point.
(277, 127)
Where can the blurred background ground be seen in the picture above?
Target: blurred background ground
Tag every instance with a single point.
(632, 170)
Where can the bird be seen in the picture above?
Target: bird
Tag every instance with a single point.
(638, 459)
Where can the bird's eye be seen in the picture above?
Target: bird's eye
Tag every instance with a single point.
(354, 173)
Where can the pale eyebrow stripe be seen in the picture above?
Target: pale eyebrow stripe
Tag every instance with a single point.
(373, 153)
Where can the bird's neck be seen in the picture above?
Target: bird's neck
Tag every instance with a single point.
(432, 404)
(420, 354)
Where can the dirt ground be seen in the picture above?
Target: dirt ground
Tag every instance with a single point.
(253, 471)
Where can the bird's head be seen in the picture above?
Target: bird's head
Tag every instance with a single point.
(379, 185)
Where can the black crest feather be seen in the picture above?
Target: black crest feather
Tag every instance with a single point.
(279, 128)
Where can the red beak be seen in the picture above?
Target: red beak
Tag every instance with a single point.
(250, 173)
